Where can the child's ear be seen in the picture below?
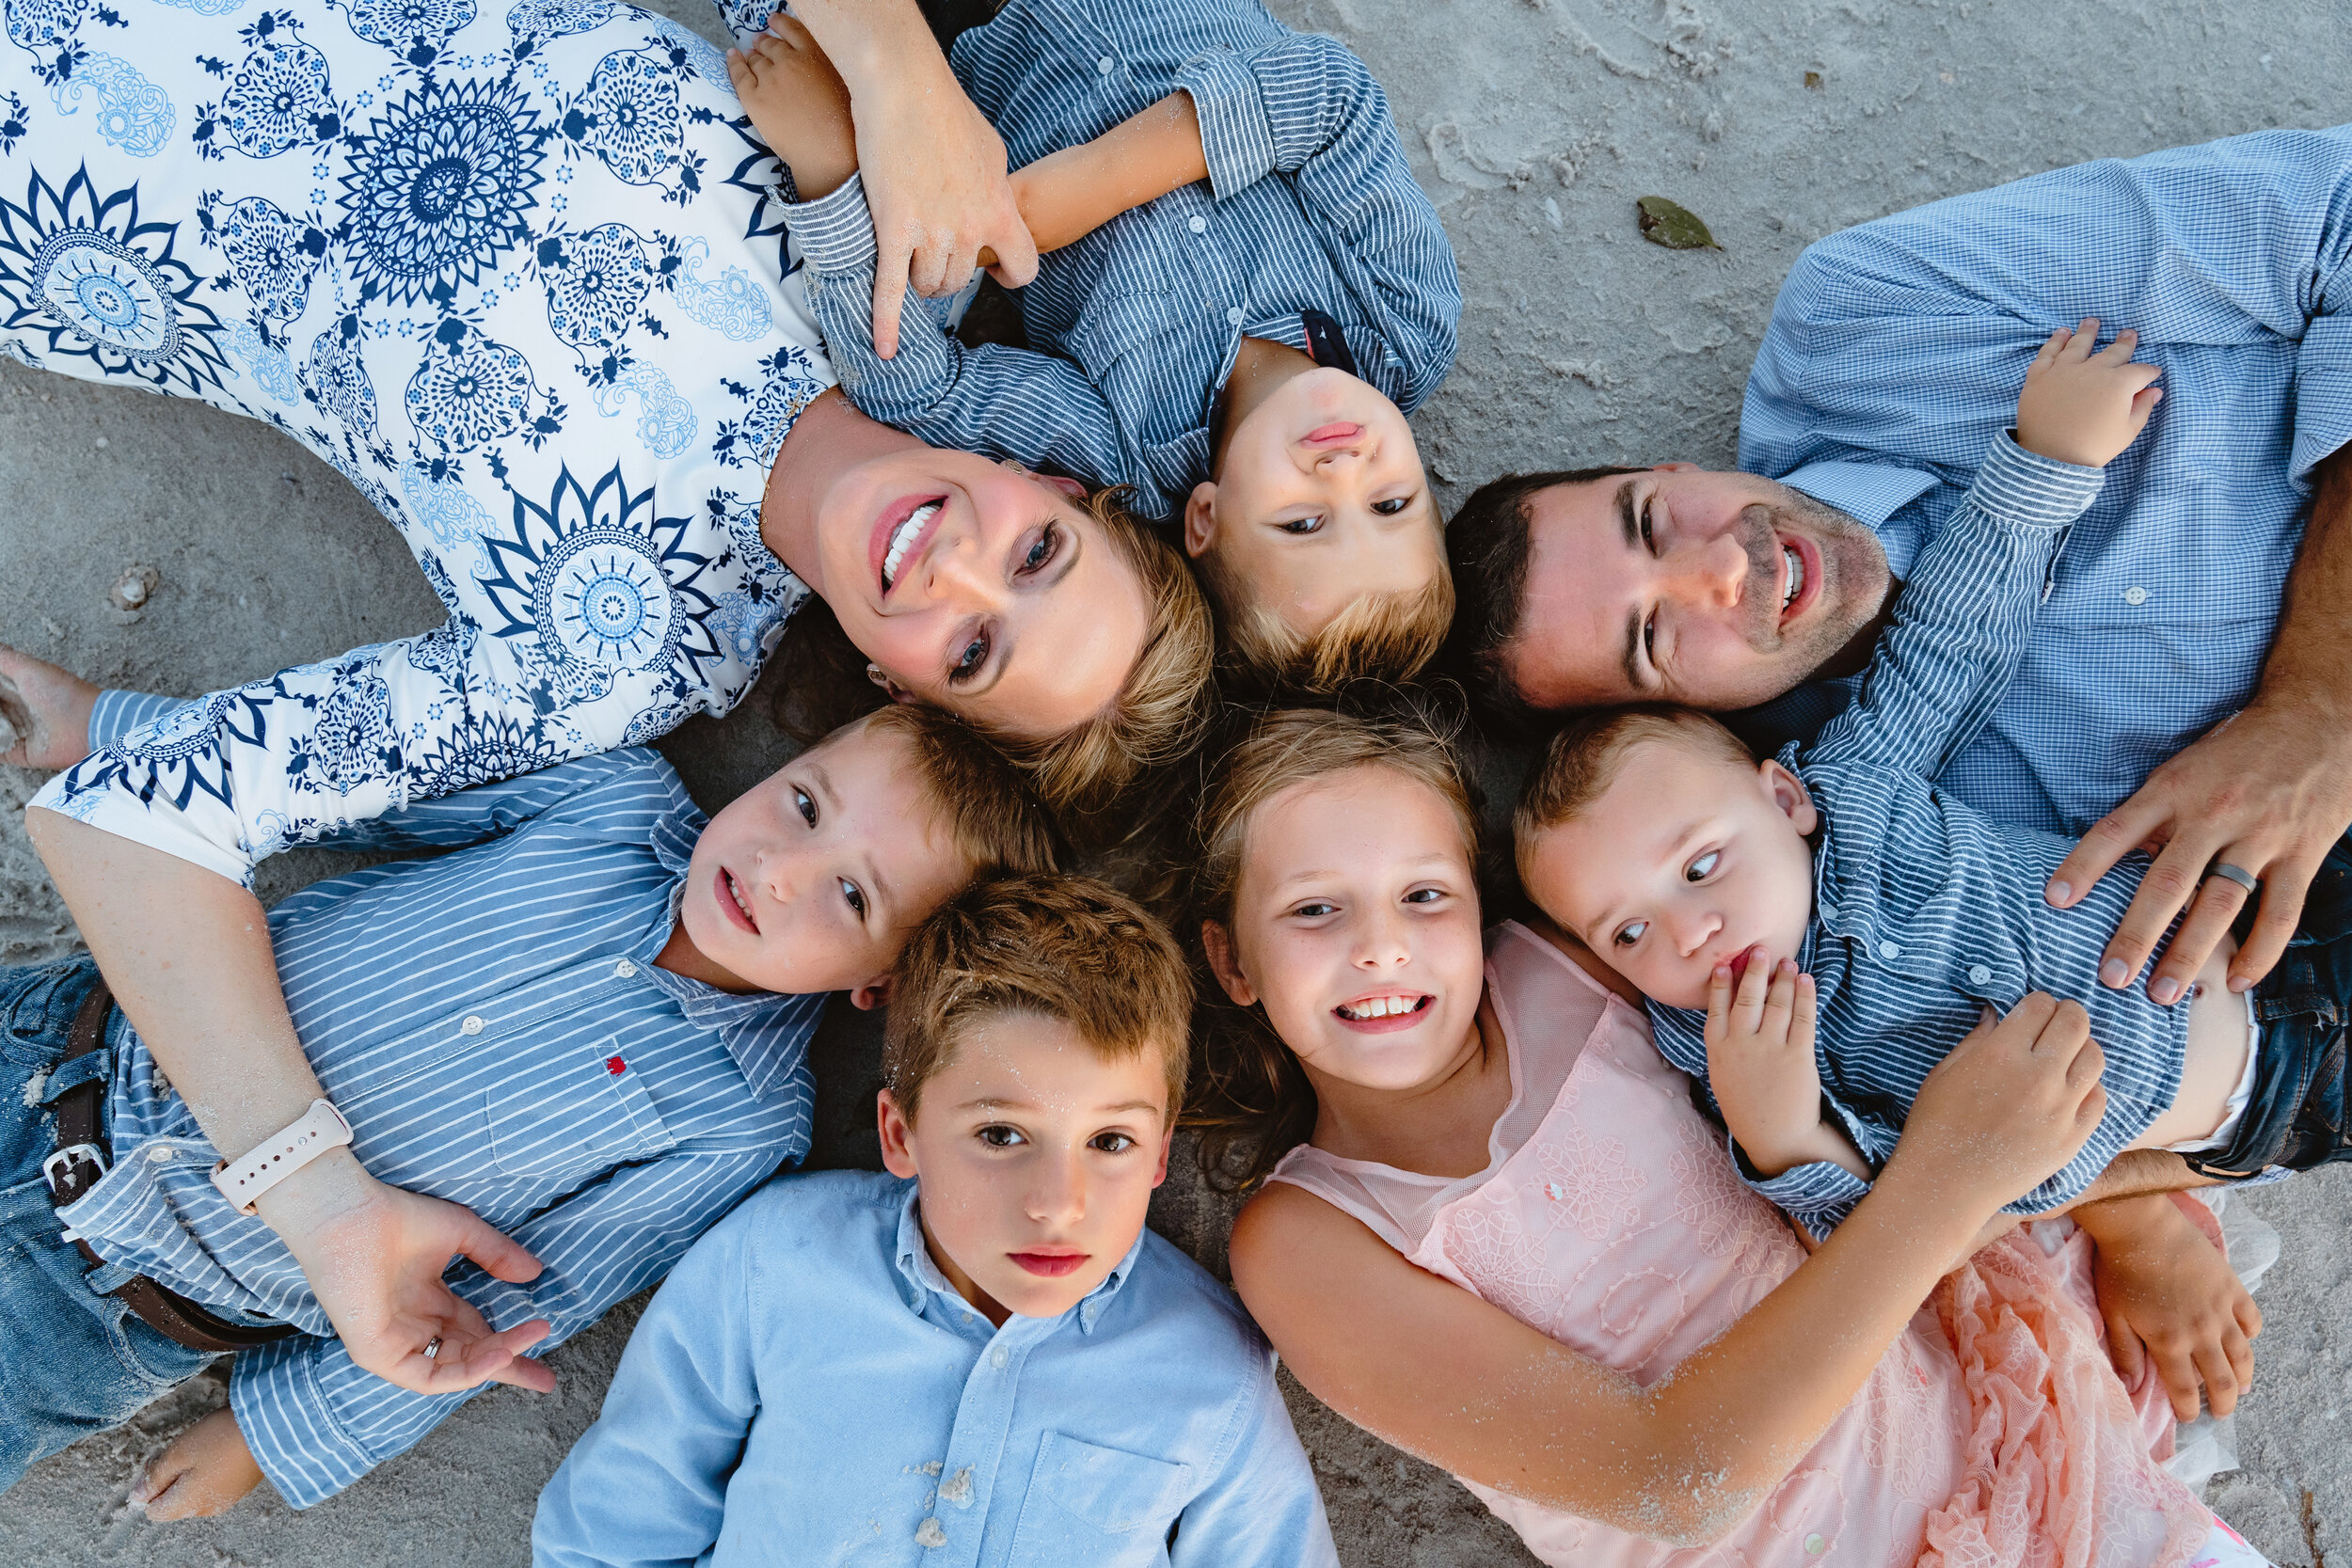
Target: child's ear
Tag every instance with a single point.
(1219, 944)
(873, 994)
(898, 1147)
(1788, 793)
(1200, 519)
(1160, 1174)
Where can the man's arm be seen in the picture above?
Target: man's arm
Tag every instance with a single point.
(2268, 791)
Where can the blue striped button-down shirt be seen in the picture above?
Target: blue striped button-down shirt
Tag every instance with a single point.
(808, 1388)
(1896, 352)
(1308, 206)
(493, 1025)
(1924, 910)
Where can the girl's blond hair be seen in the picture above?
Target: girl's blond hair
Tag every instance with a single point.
(1251, 1101)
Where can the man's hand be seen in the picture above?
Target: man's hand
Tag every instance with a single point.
(49, 710)
(2269, 791)
(2167, 1295)
(933, 166)
(202, 1472)
(374, 1255)
(2082, 407)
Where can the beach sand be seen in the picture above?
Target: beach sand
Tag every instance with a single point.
(1535, 124)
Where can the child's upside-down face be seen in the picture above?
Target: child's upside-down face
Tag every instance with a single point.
(812, 880)
(1037, 1155)
(1686, 861)
(1319, 499)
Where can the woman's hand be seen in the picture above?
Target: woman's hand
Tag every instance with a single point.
(47, 708)
(202, 1472)
(2168, 1296)
(374, 1255)
(2009, 1107)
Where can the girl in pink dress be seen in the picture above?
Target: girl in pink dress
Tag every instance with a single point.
(1502, 1236)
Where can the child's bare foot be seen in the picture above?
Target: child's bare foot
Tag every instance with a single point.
(799, 103)
(44, 712)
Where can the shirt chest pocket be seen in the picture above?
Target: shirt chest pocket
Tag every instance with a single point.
(1101, 1506)
(587, 1111)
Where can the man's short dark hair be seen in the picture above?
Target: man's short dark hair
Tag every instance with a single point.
(1487, 546)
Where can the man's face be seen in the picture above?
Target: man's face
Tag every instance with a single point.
(1681, 584)
(1038, 1156)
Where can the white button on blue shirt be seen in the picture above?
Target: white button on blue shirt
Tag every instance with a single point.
(1104, 65)
(1233, 316)
(2135, 595)
(1890, 949)
(1979, 973)
(1197, 224)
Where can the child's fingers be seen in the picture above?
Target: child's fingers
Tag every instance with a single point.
(2120, 351)
(2049, 351)
(2086, 337)
(1801, 1023)
(1718, 1001)
(1747, 1006)
(740, 71)
(1780, 1003)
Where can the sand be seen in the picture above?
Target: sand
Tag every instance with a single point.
(1535, 124)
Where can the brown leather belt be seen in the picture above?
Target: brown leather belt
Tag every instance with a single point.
(82, 1158)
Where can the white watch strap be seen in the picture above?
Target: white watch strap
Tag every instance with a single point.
(282, 1154)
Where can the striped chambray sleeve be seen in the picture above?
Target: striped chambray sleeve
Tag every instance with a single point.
(1308, 108)
(316, 1422)
(1037, 408)
(1963, 617)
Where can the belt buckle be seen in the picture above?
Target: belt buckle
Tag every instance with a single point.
(58, 1170)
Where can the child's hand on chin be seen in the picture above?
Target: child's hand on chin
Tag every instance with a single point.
(2082, 407)
(202, 1472)
(1759, 1061)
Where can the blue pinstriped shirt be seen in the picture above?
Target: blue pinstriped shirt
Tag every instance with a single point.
(492, 1024)
(1308, 206)
(1895, 354)
(1924, 910)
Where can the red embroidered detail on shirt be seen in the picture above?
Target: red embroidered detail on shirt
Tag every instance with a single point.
(614, 1065)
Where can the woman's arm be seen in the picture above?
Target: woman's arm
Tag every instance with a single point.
(1442, 1374)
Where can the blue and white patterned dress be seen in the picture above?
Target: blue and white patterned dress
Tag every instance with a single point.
(517, 268)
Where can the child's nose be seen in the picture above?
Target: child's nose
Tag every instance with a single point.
(1695, 928)
(1059, 1193)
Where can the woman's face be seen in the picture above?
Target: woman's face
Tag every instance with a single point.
(980, 587)
(1356, 923)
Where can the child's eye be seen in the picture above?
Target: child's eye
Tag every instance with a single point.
(806, 804)
(1313, 910)
(1703, 867)
(854, 896)
(1111, 1143)
(1425, 895)
(1303, 525)
(1048, 546)
(1393, 505)
(1632, 932)
(998, 1136)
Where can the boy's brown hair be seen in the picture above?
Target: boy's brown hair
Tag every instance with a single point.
(1062, 947)
(1582, 760)
(1382, 637)
(994, 821)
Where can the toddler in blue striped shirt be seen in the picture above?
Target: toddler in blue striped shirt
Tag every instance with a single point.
(1246, 293)
(1835, 887)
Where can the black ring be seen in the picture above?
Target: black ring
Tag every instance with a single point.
(2238, 873)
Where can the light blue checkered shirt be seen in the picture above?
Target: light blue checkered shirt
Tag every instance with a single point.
(494, 1027)
(1925, 911)
(1894, 354)
(1308, 206)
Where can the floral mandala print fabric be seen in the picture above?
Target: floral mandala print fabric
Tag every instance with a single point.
(517, 271)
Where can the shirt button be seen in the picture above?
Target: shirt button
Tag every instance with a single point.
(1979, 973)
(997, 1358)
(625, 969)
(1103, 67)
(470, 1026)
(2134, 594)
(1198, 224)
(1232, 317)
(161, 1155)
(1890, 949)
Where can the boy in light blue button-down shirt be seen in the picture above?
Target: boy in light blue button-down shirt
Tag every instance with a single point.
(981, 1357)
(1697, 872)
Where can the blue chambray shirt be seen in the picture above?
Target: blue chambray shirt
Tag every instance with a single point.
(493, 1025)
(1308, 206)
(1924, 910)
(1894, 354)
(808, 1388)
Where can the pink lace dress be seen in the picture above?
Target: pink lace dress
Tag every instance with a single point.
(1992, 1435)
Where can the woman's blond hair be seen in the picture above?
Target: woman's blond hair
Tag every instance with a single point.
(1251, 1101)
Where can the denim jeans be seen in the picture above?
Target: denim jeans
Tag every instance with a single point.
(2299, 1115)
(72, 1361)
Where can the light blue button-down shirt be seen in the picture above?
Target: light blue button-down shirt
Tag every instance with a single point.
(493, 1025)
(808, 1388)
(1309, 205)
(1894, 358)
